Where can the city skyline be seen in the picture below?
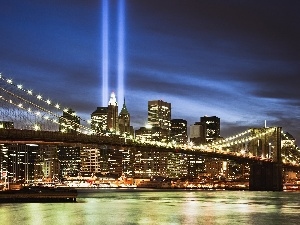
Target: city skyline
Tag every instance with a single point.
(237, 61)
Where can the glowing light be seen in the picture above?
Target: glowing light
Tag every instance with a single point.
(148, 126)
(104, 52)
(29, 92)
(121, 49)
(36, 127)
(113, 100)
(39, 97)
(19, 86)
(9, 81)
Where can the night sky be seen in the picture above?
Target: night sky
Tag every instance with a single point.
(238, 60)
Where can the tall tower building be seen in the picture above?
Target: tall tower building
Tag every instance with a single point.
(179, 131)
(159, 114)
(124, 120)
(112, 114)
(159, 118)
(212, 127)
(99, 120)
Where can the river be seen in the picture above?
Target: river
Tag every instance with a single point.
(144, 206)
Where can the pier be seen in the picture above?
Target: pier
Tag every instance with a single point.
(33, 194)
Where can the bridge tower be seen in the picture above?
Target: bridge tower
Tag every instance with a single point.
(267, 176)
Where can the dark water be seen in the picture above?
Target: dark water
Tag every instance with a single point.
(160, 207)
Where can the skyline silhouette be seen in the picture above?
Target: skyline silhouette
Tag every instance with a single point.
(238, 61)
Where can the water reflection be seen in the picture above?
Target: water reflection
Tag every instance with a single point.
(160, 207)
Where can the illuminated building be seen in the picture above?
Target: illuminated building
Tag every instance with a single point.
(197, 133)
(216, 168)
(90, 160)
(18, 160)
(112, 114)
(124, 121)
(69, 122)
(99, 120)
(159, 116)
(49, 162)
(211, 127)
(128, 162)
(69, 160)
(143, 134)
(146, 134)
(207, 130)
(195, 165)
(177, 165)
(234, 171)
(115, 161)
(150, 163)
(3, 160)
(179, 131)
(106, 119)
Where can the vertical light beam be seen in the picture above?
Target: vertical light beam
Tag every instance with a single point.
(105, 52)
(121, 15)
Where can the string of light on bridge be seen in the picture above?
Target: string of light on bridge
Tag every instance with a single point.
(40, 98)
(230, 141)
(290, 158)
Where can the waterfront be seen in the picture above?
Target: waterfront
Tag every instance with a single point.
(132, 206)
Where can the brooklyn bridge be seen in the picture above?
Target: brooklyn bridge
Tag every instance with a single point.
(32, 147)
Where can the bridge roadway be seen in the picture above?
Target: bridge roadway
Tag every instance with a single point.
(17, 136)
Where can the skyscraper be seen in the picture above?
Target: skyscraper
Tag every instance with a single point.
(207, 130)
(159, 119)
(112, 114)
(106, 119)
(124, 120)
(159, 114)
(179, 131)
(212, 127)
(99, 120)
